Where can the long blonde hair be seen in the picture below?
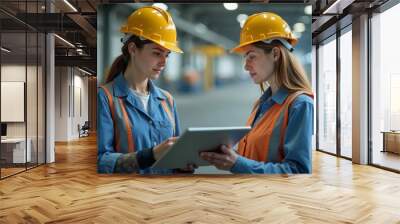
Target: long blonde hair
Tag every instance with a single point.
(289, 72)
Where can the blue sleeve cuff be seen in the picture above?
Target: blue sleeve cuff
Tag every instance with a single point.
(107, 161)
(244, 165)
(241, 165)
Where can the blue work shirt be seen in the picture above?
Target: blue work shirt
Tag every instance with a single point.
(149, 129)
(297, 141)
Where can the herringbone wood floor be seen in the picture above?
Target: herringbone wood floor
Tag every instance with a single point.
(70, 191)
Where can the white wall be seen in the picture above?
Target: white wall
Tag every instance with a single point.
(69, 85)
(80, 83)
(13, 73)
(61, 103)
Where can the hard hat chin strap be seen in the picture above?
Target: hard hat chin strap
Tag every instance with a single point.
(283, 41)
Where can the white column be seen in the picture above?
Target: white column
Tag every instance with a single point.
(360, 90)
(50, 93)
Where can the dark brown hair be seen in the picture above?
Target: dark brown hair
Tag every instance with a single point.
(120, 63)
(289, 72)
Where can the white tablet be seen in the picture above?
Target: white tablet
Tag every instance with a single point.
(195, 140)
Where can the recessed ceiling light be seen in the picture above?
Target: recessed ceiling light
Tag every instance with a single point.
(5, 50)
(299, 27)
(308, 10)
(161, 6)
(84, 71)
(70, 5)
(241, 18)
(231, 6)
(64, 40)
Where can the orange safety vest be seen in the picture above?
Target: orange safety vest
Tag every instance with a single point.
(123, 135)
(268, 132)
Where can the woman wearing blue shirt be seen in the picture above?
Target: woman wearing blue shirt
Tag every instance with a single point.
(282, 118)
(137, 121)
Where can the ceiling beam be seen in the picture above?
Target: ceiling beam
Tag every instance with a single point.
(337, 7)
(86, 26)
(78, 19)
(83, 61)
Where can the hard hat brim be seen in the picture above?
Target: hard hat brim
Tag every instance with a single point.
(170, 46)
(174, 48)
(239, 48)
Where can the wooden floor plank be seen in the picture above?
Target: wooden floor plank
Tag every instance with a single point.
(70, 191)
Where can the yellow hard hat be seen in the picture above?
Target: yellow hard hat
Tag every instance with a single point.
(263, 27)
(155, 24)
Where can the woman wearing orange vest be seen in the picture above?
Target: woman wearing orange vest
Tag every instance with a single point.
(282, 118)
(137, 120)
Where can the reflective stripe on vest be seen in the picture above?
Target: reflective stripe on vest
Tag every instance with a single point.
(124, 137)
(168, 108)
(265, 141)
(124, 142)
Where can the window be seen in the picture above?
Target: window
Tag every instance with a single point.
(346, 93)
(385, 89)
(327, 96)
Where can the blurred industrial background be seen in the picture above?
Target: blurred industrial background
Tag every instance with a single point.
(206, 33)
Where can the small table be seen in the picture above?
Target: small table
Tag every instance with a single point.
(13, 150)
(391, 141)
